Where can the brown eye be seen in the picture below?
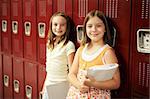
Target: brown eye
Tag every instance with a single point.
(89, 26)
(55, 24)
(99, 25)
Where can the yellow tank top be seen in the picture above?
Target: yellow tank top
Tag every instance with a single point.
(85, 64)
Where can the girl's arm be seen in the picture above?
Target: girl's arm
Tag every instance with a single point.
(70, 58)
(72, 76)
(114, 83)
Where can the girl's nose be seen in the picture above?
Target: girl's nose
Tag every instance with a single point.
(93, 28)
(58, 26)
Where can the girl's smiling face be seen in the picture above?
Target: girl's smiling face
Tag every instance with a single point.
(95, 29)
(59, 26)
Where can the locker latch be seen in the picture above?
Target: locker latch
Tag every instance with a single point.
(4, 25)
(16, 86)
(80, 34)
(28, 92)
(41, 30)
(143, 40)
(15, 27)
(27, 26)
(40, 95)
(6, 80)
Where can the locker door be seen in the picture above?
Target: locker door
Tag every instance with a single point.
(41, 79)
(63, 6)
(118, 11)
(30, 80)
(140, 47)
(7, 77)
(17, 26)
(18, 78)
(1, 77)
(0, 25)
(44, 12)
(5, 26)
(30, 27)
(1, 66)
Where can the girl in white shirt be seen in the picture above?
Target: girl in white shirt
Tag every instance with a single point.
(59, 52)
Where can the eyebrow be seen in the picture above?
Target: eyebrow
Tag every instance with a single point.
(94, 23)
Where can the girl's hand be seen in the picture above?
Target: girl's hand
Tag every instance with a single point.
(89, 81)
(83, 88)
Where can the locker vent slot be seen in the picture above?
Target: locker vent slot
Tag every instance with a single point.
(143, 74)
(111, 8)
(83, 8)
(145, 9)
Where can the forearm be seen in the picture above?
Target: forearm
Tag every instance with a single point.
(111, 84)
(74, 81)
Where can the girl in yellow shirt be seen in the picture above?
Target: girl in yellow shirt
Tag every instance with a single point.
(94, 50)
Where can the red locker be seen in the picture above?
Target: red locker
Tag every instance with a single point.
(44, 12)
(63, 6)
(17, 27)
(119, 12)
(5, 26)
(41, 78)
(1, 77)
(18, 78)
(1, 67)
(30, 27)
(30, 80)
(81, 8)
(0, 25)
(7, 77)
(140, 48)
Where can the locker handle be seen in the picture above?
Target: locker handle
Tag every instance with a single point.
(15, 27)
(16, 86)
(143, 40)
(41, 30)
(27, 26)
(6, 80)
(80, 34)
(4, 25)
(40, 95)
(28, 92)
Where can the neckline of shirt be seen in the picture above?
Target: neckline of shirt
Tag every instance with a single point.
(94, 55)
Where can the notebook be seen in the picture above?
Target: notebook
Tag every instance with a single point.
(102, 72)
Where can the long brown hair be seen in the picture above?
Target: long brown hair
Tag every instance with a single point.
(51, 35)
(100, 15)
